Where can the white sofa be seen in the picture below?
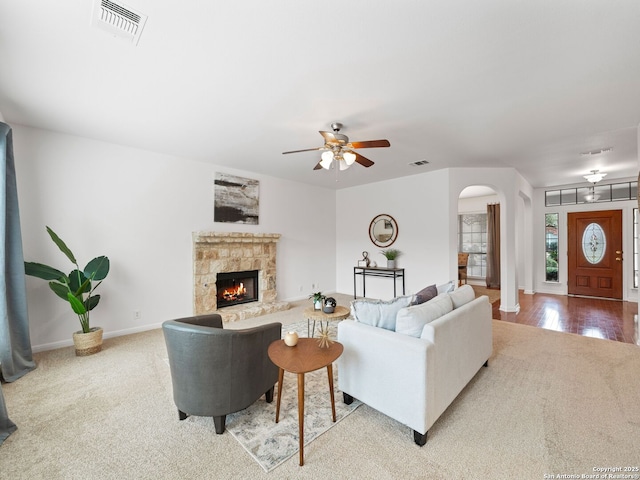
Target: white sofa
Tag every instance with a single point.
(414, 376)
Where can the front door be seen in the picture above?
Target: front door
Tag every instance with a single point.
(595, 253)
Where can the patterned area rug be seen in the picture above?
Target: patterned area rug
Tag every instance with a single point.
(271, 443)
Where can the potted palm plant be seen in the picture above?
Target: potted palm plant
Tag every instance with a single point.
(76, 288)
(391, 254)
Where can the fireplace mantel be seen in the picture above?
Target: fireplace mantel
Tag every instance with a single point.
(215, 252)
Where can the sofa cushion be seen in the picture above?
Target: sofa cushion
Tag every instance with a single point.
(426, 294)
(411, 320)
(462, 295)
(446, 287)
(379, 313)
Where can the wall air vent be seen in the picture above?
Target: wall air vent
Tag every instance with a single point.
(118, 19)
(419, 163)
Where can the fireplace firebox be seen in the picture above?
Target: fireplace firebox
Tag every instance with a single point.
(233, 288)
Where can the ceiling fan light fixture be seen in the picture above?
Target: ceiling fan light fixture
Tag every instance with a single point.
(349, 158)
(595, 176)
(592, 197)
(338, 147)
(327, 158)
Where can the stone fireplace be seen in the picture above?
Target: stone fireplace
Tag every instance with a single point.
(225, 252)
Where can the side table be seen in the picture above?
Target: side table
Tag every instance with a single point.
(365, 272)
(340, 313)
(305, 357)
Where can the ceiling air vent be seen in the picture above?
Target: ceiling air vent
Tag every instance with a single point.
(118, 19)
(596, 152)
(419, 163)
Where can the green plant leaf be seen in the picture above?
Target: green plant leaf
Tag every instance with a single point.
(391, 253)
(91, 302)
(62, 246)
(60, 289)
(97, 269)
(42, 271)
(78, 283)
(76, 305)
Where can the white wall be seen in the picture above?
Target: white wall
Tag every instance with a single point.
(420, 206)
(476, 204)
(426, 208)
(140, 208)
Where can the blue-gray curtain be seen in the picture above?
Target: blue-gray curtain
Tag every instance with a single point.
(16, 357)
(6, 425)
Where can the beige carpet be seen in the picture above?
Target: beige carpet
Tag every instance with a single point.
(549, 403)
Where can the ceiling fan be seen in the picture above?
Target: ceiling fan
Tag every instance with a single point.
(338, 147)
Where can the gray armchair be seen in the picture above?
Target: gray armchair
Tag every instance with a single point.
(216, 371)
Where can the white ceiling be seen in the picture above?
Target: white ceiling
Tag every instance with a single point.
(497, 83)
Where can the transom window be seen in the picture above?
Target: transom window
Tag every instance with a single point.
(593, 194)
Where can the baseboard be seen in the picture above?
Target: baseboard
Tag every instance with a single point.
(306, 297)
(515, 309)
(118, 333)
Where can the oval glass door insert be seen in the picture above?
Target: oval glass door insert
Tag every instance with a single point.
(594, 243)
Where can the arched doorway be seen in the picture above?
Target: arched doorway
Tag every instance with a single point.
(473, 232)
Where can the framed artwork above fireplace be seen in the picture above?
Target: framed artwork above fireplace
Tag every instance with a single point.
(236, 199)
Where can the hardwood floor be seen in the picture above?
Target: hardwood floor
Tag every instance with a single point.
(609, 319)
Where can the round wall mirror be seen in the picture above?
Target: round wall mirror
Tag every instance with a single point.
(383, 230)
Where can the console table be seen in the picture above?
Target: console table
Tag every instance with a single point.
(365, 272)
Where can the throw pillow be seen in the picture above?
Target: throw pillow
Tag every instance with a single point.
(411, 320)
(446, 287)
(426, 294)
(462, 295)
(379, 313)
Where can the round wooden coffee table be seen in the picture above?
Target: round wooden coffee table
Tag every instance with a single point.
(305, 357)
(340, 313)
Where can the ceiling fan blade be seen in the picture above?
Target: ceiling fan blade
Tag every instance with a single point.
(305, 150)
(371, 144)
(334, 138)
(328, 136)
(364, 161)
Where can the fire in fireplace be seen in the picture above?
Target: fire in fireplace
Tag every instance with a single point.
(236, 287)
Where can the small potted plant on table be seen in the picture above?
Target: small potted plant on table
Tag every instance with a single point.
(391, 254)
(317, 298)
(77, 289)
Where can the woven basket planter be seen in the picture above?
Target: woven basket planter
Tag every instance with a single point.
(88, 343)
